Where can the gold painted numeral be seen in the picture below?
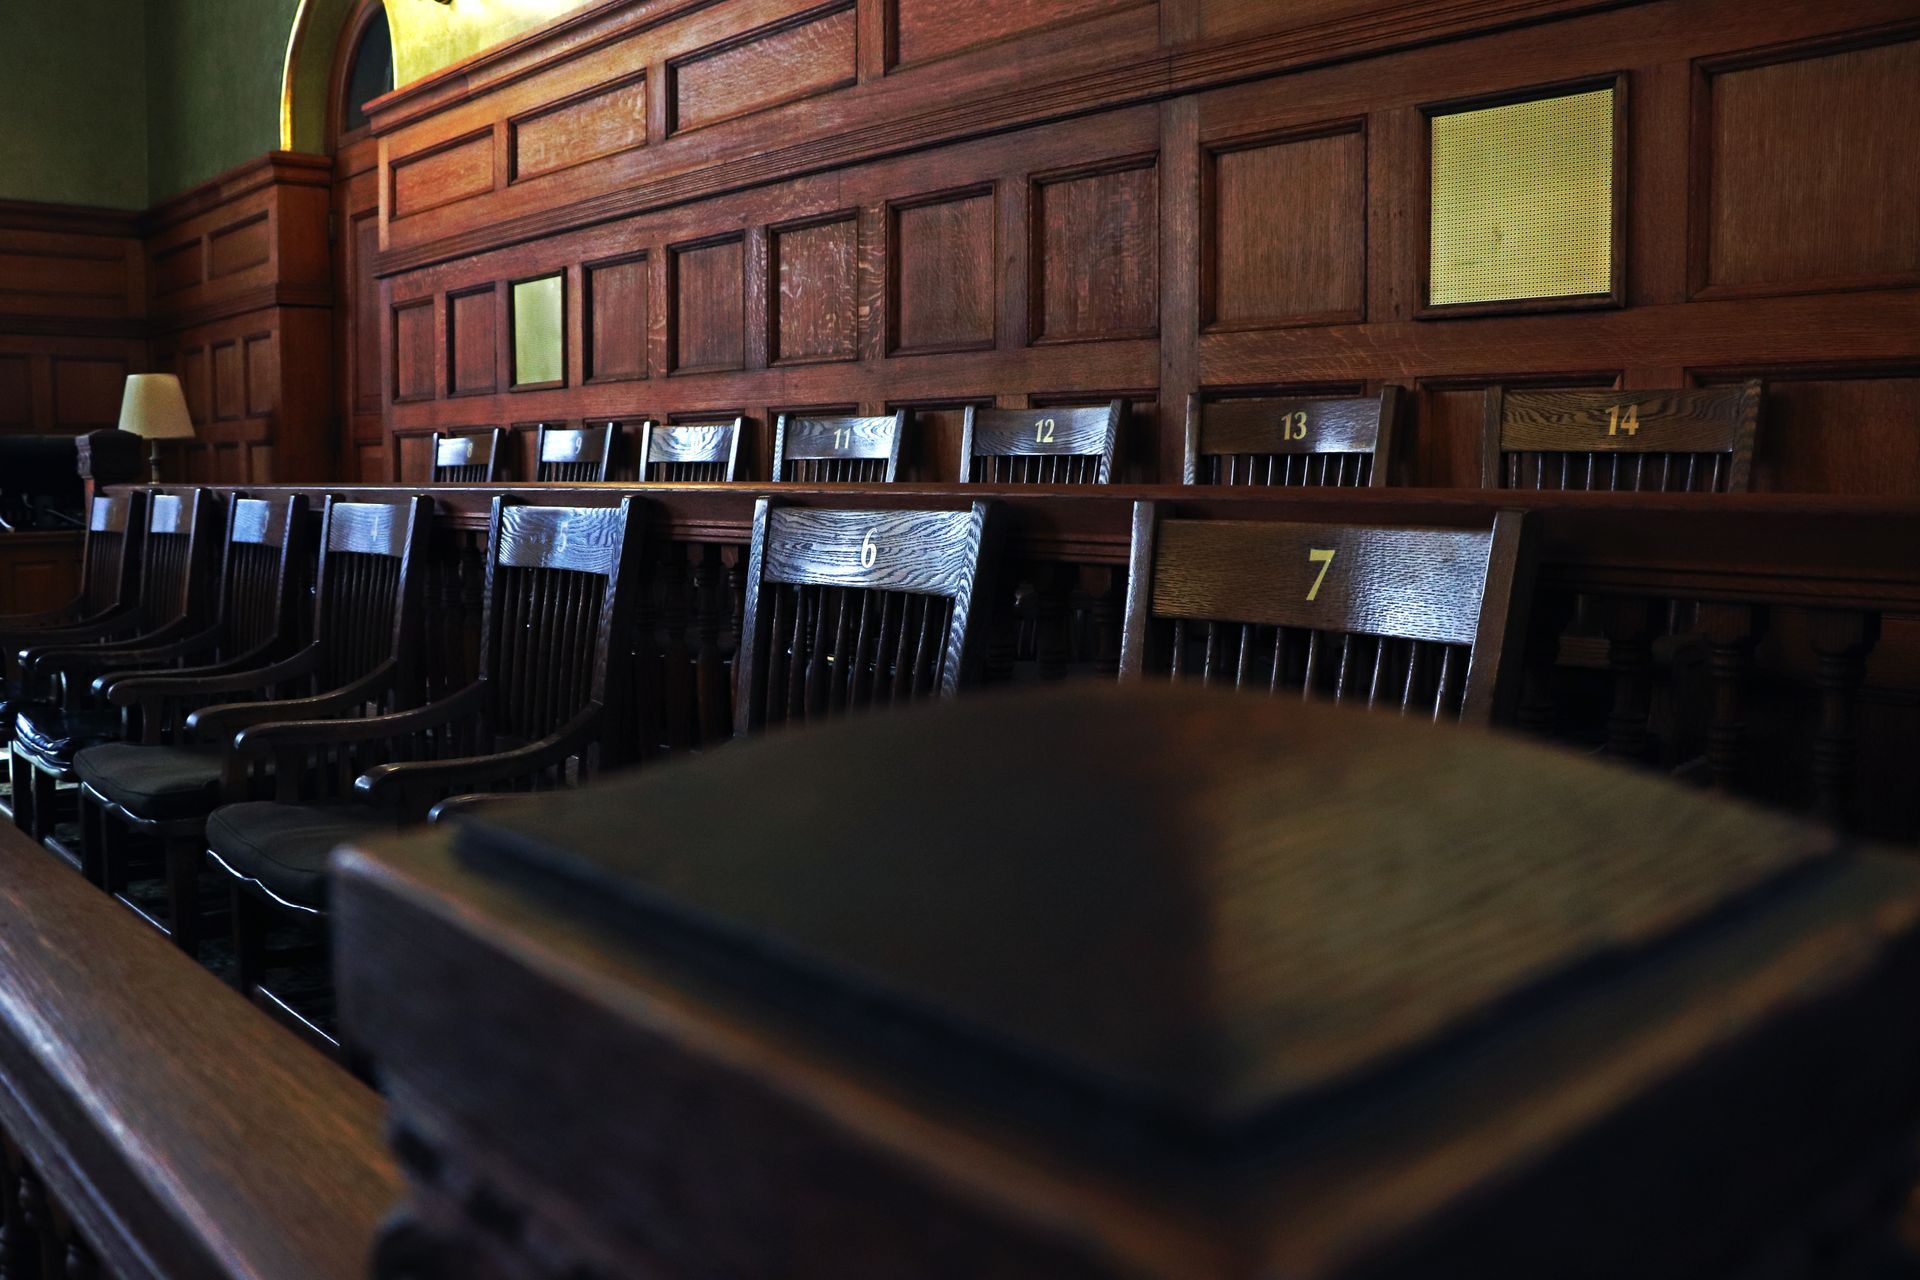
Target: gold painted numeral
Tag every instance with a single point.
(842, 437)
(1623, 423)
(1293, 426)
(1322, 556)
(1043, 431)
(869, 553)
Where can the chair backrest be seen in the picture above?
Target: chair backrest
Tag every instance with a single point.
(1421, 620)
(838, 450)
(107, 567)
(560, 587)
(1290, 440)
(1694, 440)
(852, 609)
(178, 556)
(257, 572)
(468, 458)
(1041, 446)
(367, 589)
(690, 452)
(574, 455)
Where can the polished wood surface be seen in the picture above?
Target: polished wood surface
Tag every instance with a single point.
(1247, 988)
(178, 1131)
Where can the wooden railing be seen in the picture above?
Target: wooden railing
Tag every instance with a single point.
(1767, 644)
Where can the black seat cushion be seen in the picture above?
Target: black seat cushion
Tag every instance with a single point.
(51, 736)
(157, 783)
(283, 847)
(10, 700)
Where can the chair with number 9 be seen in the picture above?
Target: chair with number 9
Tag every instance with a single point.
(1423, 621)
(847, 610)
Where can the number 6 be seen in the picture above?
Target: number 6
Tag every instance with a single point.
(868, 552)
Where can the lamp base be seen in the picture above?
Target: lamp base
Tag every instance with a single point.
(153, 460)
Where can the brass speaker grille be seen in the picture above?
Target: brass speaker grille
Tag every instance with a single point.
(1523, 200)
(539, 329)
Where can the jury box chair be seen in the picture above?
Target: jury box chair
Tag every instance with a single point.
(1291, 440)
(814, 449)
(690, 452)
(539, 714)
(1688, 440)
(1041, 446)
(574, 455)
(1422, 621)
(362, 657)
(468, 457)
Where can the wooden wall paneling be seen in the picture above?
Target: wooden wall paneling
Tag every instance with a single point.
(797, 56)
(707, 304)
(16, 390)
(1284, 221)
(1444, 447)
(813, 279)
(1095, 250)
(924, 30)
(942, 261)
(605, 120)
(1181, 253)
(1838, 430)
(86, 392)
(474, 337)
(72, 308)
(446, 174)
(413, 364)
(1785, 141)
(614, 344)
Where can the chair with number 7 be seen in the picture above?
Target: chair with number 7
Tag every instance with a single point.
(1693, 440)
(1424, 621)
(847, 610)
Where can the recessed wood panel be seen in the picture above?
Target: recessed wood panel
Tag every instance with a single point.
(604, 122)
(1096, 272)
(413, 363)
(16, 392)
(1840, 435)
(1813, 175)
(814, 302)
(234, 249)
(792, 59)
(229, 382)
(943, 272)
(32, 281)
(1286, 231)
(263, 375)
(926, 29)
(86, 393)
(616, 309)
(364, 247)
(195, 367)
(709, 306)
(473, 342)
(457, 171)
(177, 268)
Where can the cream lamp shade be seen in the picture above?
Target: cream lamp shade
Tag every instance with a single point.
(155, 408)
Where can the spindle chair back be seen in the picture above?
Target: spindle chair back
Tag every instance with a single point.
(1694, 440)
(467, 458)
(367, 591)
(838, 450)
(690, 452)
(1290, 440)
(574, 455)
(1421, 620)
(109, 576)
(847, 610)
(1041, 446)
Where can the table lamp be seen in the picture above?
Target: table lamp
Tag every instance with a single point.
(155, 409)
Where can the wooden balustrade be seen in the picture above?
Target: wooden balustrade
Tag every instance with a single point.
(1794, 676)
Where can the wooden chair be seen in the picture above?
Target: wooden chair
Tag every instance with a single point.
(1345, 442)
(1416, 619)
(853, 609)
(109, 584)
(691, 452)
(362, 658)
(574, 455)
(560, 587)
(468, 458)
(1696, 440)
(838, 450)
(177, 552)
(1041, 446)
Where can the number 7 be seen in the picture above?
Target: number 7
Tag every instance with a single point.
(1323, 558)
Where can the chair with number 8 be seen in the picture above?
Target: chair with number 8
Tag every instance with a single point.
(1424, 621)
(847, 610)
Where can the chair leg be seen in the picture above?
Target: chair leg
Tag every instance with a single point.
(17, 771)
(183, 894)
(94, 820)
(250, 918)
(109, 865)
(41, 815)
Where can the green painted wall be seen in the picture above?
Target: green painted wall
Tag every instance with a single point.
(73, 97)
(213, 86)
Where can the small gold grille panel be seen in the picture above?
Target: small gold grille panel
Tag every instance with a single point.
(1523, 201)
(539, 326)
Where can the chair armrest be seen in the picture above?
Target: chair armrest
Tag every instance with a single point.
(37, 659)
(226, 719)
(130, 689)
(263, 739)
(248, 661)
(116, 626)
(406, 784)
